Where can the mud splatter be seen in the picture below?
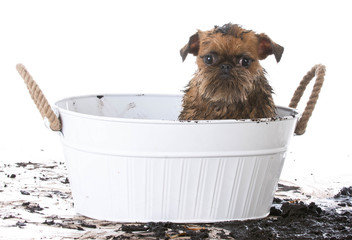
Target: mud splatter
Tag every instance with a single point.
(38, 196)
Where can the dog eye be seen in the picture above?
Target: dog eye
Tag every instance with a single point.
(209, 59)
(245, 62)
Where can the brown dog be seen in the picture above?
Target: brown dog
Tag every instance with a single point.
(230, 83)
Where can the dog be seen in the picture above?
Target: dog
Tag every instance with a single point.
(230, 82)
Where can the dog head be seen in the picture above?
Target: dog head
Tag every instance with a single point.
(228, 61)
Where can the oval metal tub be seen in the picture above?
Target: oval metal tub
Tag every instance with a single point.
(131, 160)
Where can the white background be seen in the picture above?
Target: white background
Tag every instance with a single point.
(95, 47)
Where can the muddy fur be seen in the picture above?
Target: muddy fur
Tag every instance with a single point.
(230, 83)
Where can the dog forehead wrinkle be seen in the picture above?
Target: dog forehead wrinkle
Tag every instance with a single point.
(206, 43)
(211, 45)
(227, 47)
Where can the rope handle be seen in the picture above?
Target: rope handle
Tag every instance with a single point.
(317, 71)
(39, 99)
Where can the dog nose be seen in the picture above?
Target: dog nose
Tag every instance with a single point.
(226, 68)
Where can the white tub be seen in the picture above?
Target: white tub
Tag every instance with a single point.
(131, 160)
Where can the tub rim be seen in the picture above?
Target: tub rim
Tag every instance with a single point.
(294, 112)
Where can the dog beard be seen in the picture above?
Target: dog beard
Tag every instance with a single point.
(239, 95)
(230, 88)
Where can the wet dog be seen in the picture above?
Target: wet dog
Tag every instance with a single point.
(230, 83)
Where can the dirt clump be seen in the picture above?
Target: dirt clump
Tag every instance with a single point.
(293, 220)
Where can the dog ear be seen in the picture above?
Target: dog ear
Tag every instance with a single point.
(191, 47)
(267, 47)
